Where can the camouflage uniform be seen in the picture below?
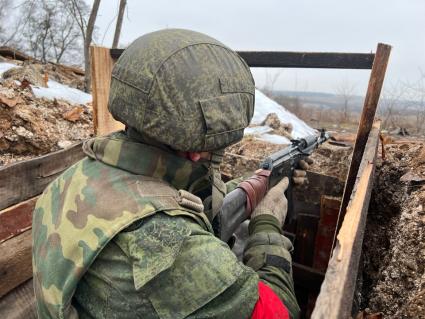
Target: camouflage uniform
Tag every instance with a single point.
(113, 237)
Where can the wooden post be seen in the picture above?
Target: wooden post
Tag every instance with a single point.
(336, 294)
(101, 70)
(376, 80)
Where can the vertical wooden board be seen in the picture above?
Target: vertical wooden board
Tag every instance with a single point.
(16, 219)
(101, 71)
(329, 209)
(376, 81)
(15, 262)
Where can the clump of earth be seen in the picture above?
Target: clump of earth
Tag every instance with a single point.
(31, 126)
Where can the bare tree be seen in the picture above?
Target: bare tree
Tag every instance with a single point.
(390, 105)
(119, 23)
(49, 32)
(87, 42)
(86, 23)
(5, 6)
(415, 94)
(345, 91)
(271, 79)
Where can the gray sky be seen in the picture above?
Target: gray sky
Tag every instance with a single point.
(297, 25)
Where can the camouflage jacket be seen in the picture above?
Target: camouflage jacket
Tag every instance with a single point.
(111, 241)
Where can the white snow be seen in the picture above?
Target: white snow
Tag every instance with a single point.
(265, 106)
(56, 90)
(4, 66)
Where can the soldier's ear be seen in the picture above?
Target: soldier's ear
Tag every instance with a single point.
(194, 156)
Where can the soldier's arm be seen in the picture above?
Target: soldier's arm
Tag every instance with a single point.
(267, 251)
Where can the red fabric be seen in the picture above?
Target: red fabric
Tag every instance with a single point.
(268, 305)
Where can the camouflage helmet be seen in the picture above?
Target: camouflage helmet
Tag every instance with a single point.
(183, 89)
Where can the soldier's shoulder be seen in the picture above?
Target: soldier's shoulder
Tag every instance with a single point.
(173, 256)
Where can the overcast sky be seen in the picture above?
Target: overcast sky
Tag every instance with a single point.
(297, 25)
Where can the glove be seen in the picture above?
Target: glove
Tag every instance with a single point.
(274, 203)
(300, 174)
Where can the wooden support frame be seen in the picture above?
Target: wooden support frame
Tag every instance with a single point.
(27, 179)
(366, 121)
(286, 59)
(101, 70)
(104, 123)
(336, 294)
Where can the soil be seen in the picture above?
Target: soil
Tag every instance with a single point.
(393, 265)
(392, 270)
(31, 126)
(243, 158)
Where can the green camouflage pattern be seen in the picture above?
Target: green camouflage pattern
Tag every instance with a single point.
(183, 89)
(170, 268)
(120, 182)
(111, 241)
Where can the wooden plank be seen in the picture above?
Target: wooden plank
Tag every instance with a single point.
(16, 219)
(101, 70)
(19, 303)
(366, 120)
(337, 291)
(26, 179)
(15, 262)
(329, 210)
(286, 59)
(14, 54)
(305, 238)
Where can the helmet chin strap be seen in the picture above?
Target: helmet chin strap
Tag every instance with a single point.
(218, 186)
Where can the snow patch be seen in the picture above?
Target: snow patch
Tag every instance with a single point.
(4, 66)
(265, 106)
(56, 90)
(275, 139)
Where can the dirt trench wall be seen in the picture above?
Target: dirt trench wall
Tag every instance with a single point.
(393, 277)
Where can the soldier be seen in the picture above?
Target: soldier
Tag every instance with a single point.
(126, 232)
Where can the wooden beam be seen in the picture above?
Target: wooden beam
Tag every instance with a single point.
(101, 71)
(19, 303)
(15, 262)
(336, 294)
(26, 179)
(16, 219)
(282, 59)
(14, 54)
(366, 120)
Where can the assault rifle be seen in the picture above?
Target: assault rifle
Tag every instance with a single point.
(239, 203)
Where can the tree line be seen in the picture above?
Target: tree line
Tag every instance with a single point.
(59, 31)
